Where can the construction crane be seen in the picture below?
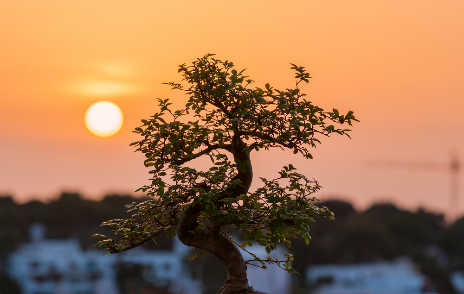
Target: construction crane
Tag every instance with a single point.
(454, 167)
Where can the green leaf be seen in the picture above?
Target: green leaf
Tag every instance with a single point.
(306, 239)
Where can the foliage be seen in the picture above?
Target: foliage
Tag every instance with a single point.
(62, 217)
(229, 120)
(10, 217)
(452, 241)
(7, 285)
(383, 231)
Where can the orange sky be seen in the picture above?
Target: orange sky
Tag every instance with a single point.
(398, 64)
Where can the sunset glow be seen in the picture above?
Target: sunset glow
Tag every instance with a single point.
(105, 88)
(399, 65)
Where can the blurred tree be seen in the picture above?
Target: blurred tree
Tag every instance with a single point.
(130, 280)
(382, 232)
(10, 219)
(8, 210)
(324, 247)
(452, 242)
(230, 119)
(8, 286)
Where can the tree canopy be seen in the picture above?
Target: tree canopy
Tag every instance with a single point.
(226, 119)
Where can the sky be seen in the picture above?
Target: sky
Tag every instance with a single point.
(399, 65)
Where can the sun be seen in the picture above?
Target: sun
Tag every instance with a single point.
(103, 119)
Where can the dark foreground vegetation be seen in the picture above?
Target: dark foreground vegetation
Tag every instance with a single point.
(382, 232)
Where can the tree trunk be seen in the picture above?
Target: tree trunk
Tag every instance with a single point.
(229, 254)
(213, 241)
(220, 246)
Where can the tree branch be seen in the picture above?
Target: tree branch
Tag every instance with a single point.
(201, 153)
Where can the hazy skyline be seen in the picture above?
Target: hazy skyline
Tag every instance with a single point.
(397, 64)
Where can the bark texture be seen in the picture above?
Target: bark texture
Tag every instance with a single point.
(213, 241)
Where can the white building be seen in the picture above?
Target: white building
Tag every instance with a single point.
(62, 267)
(272, 280)
(396, 277)
(457, 280)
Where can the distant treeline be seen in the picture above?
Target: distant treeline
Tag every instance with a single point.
(69, 216)
(382, 232)
(385, 232)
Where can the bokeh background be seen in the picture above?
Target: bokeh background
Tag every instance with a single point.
(399, 65)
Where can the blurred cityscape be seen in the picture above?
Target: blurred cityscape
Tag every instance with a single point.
(47, 248)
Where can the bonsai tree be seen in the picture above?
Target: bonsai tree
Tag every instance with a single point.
(225, 120)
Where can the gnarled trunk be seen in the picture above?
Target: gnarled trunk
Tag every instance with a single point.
(213, 241)
(220, 246)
